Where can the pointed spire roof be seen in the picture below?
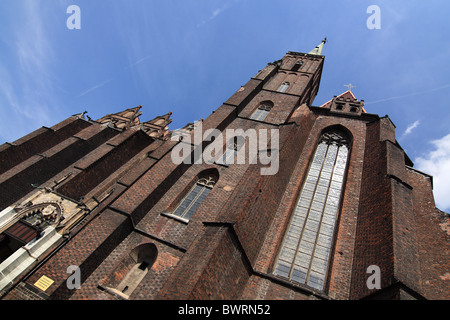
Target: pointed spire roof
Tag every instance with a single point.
(318, 49)
(157, 127)
(123, 119)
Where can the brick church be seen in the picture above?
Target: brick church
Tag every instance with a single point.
(99, 210)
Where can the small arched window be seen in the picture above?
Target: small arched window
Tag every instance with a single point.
(262, 111)
(284, 86)
(306, 249)
(143, 257)
(297, 65)
(190, 203)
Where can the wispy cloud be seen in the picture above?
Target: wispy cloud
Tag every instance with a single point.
(437, 164)
(217, 12)
(95, 87)
(410, 128)
(103, 83)
(409, 95)
(27, 80)
(140, 60)
(214, 14)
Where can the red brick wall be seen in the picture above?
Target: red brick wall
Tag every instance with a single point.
(114, 268)
(86, 250)
(93, 175)
(225, 274)
(374, 225)
(432, 227)
(38, 142)
(66, 153)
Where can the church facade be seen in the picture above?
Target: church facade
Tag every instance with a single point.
(99, 209)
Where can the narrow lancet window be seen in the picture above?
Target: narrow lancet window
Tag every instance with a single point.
(262, 111)
(195, 197)
(307, 245)
(232, 149)
(297, 65)
(284, 86)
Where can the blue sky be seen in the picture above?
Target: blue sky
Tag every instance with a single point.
(189, 56)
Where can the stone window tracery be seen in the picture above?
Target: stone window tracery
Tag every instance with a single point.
(306, 248)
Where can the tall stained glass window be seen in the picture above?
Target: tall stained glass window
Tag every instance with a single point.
(307, 245)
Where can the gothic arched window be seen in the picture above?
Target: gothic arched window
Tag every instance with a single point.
(262, 111)
(307, 245)
(284, 86)
(195, 197)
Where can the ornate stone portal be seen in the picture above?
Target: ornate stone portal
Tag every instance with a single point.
(46, 208)
(42, 215)
(34, 227)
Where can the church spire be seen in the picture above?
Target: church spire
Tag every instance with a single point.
(122, 120)
(157, 127)
(318, 49)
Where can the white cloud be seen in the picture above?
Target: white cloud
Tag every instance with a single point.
(410, 128)
(437, 164)
(215, 14)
